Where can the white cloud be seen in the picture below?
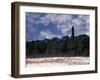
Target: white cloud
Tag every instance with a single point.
(55, 18)
(82, 24)
(33, 18)
(76, 22)
(47, 35)
(82, 19)
(64, 29)
(63, 22)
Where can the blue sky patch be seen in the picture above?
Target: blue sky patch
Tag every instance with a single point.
(41, 26)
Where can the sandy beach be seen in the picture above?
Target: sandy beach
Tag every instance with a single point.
(57, 61)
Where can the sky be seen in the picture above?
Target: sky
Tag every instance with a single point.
(40, 26)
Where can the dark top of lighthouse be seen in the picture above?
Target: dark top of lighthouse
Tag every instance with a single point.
(72, 32)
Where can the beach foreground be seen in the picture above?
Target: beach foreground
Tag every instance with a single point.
(57, 61)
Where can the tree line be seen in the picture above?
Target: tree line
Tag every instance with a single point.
(66, 46)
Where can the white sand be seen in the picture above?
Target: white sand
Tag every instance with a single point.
(57, 61)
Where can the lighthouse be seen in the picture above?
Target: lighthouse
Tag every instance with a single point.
(72, 32)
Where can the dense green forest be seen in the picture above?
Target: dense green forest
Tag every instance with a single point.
(66, 46)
